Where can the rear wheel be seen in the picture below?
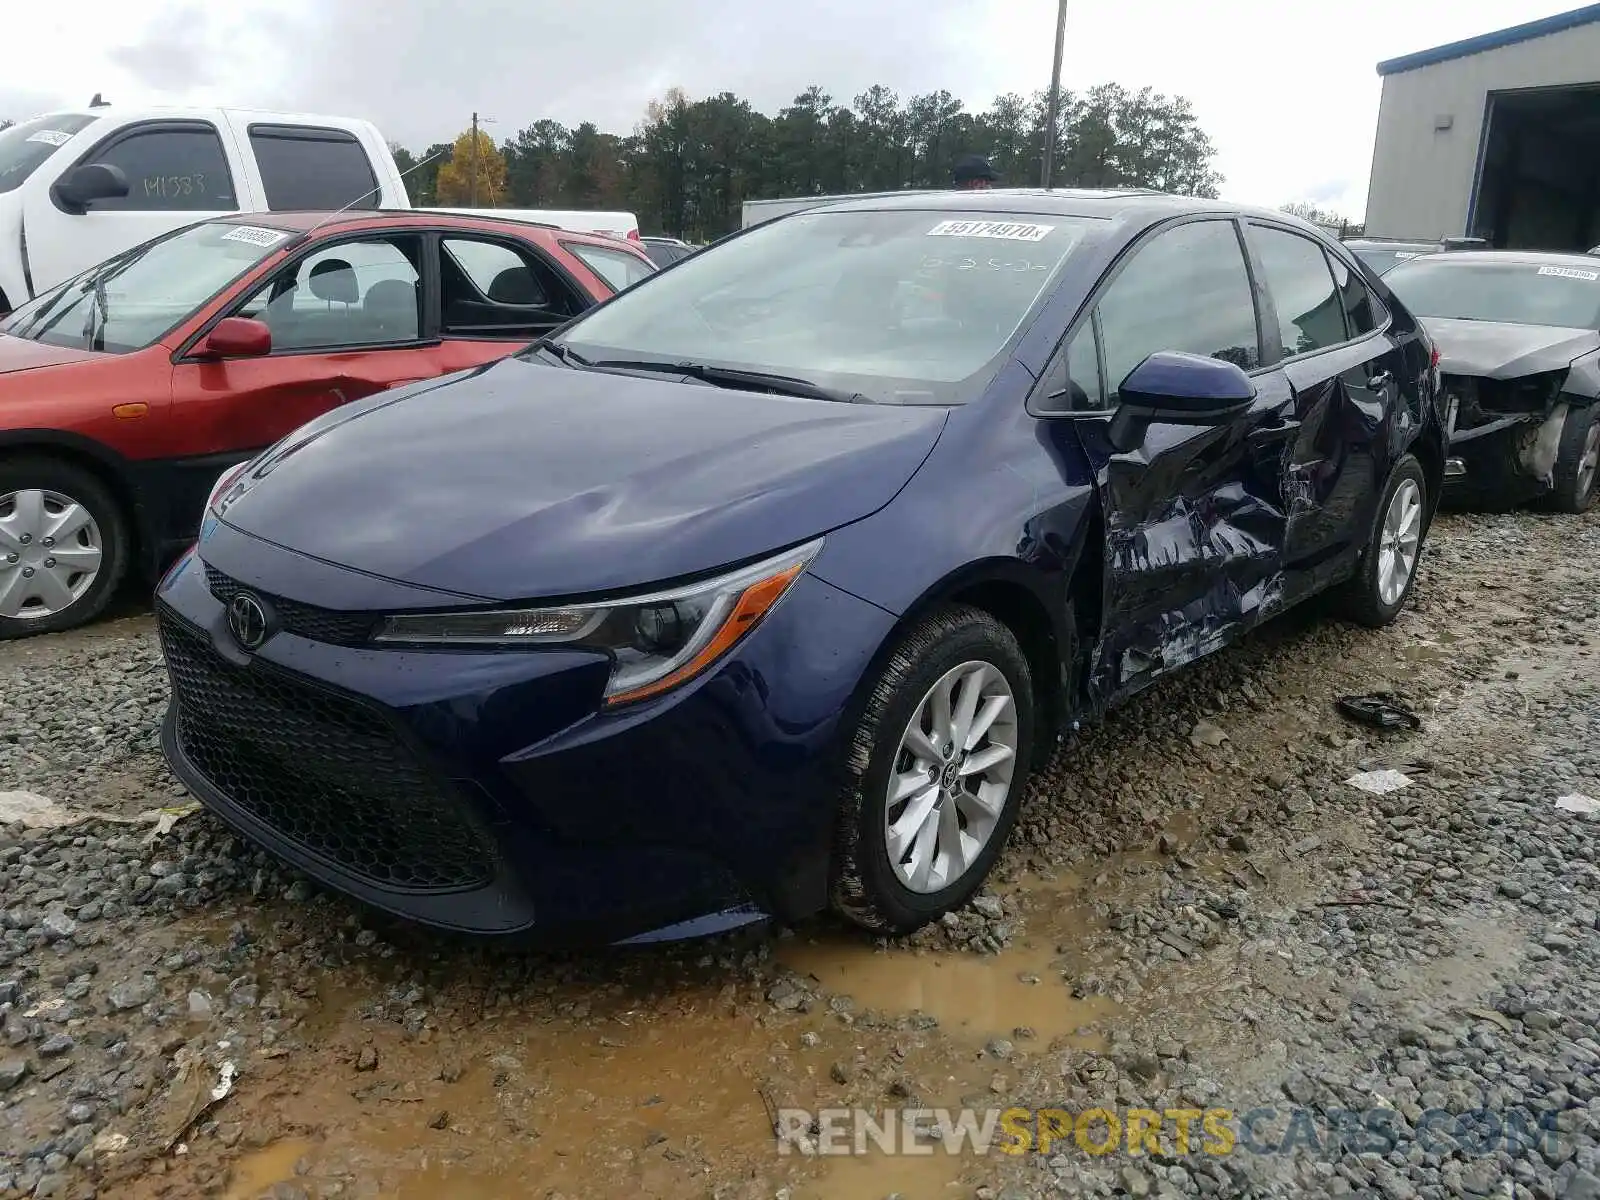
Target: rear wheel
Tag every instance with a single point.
(1578, 461)
(936, 772)
(1388, 569)
(63, 546)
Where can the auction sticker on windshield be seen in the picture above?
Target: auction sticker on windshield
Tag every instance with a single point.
(50, 137)
(1570, 273)
(1011, 231)
(255, 235)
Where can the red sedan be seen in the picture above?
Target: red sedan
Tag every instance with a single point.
(127, 390)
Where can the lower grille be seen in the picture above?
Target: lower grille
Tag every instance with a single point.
(302, 620)
(323, 770)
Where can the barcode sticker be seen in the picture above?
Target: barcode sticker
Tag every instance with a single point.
(255, 235)
(1011, 231)
(50, 137)
(1570, 273)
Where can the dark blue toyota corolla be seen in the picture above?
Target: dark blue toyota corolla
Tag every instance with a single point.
(761, 587)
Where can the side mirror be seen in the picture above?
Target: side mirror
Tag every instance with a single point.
(81, 186)
(1175, 388)
(237, 337)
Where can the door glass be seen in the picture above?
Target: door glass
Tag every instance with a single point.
(618, 269)
(170, 170)
(313, 168)
(1185, 290)
(349, 294)
(1310, 311)
(1075, 377)
(1362, 309)
(490, 289)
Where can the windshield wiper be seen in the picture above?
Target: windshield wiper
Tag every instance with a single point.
(736, 377)
(556, 350)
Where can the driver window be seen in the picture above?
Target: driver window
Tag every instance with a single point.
(1187, 289)
(350, 294)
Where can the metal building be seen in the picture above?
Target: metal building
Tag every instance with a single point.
(1496, 137)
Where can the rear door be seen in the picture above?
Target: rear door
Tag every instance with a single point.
(1194, 516)
(348, 319)
(1322, 329)
(178, 172)
(496, 294)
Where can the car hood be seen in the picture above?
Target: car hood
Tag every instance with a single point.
(1503, 351)
(24, 354)
(523, 481)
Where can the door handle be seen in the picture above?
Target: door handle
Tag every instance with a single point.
(1273, 434)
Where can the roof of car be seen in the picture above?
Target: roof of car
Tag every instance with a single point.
(1106, 203)
(1530, 258)
(400, 218)
(1390, 244)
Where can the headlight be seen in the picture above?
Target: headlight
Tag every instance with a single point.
(656, 641)
(219, 499)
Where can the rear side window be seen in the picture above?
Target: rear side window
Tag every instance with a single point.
(317, 169)
(170, 168)
(1187, 289)
(1310, 310)
(1363, 311)
(616, 267)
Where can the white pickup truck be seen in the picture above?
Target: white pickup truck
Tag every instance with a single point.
(77, 188)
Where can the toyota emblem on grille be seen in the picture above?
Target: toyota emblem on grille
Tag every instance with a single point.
(247, 620)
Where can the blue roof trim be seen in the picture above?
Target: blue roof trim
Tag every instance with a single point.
(1492, 41)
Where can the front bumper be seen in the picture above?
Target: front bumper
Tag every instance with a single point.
(484, 792)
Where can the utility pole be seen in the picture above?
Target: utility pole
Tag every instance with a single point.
(474, 203)
(1054, 106)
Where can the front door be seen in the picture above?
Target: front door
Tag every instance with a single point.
(346, 321)
(1194, 515)
(177, 173)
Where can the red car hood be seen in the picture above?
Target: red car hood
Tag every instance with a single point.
(22, 354)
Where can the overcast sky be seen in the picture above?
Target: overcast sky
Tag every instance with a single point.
(1287, 89)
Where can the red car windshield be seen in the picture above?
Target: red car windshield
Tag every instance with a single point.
(132, 300)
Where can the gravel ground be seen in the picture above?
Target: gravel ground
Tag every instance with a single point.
(1196, 911)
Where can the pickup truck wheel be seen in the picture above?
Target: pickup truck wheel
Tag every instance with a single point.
(935, 772)
(1577, 472)
(1388, 569)
(63, 546)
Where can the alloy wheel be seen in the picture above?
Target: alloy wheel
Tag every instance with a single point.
(1399, 541)
(952, 777)
(1590, 461)
(50, 553)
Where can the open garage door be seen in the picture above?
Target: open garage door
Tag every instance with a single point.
(1538, 182)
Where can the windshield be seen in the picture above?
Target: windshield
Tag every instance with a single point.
(24, 147)
(130, 301)
(1519, 293)
(901, 307)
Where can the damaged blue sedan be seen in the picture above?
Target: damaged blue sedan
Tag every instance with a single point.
(761, 588)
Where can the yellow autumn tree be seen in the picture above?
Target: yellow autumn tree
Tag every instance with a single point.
(455, 184)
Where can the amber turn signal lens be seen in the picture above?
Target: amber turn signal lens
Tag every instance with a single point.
(753, 604)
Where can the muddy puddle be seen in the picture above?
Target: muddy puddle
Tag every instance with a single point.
(668, 1091)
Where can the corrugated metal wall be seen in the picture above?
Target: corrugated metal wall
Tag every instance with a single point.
(1422, 175)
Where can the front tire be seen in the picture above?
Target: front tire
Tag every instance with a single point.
(63, 546)
(935, 772)
(1388, 570)
(1577, 472)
